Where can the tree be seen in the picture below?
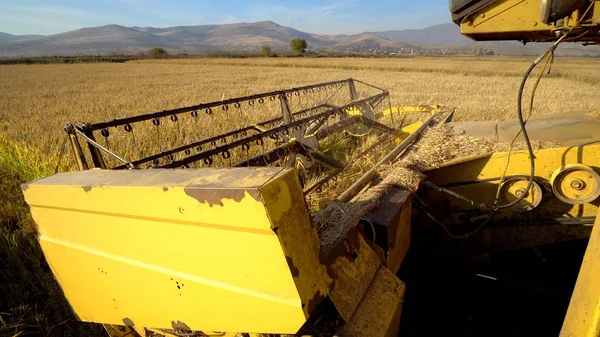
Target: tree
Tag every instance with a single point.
(298, 45)
(265, 50)
(157, 53)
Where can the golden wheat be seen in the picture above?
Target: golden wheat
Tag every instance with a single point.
(37, 100)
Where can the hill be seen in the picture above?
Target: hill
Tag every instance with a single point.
(439, 39)
(5, 37)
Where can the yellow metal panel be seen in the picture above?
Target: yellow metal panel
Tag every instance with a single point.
(506, 16)
(286, 208)
(490, 167)
(403, 110)
(519, 20)
(157, 247)
(583, 315)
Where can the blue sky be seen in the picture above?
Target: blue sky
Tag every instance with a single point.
(321, 17)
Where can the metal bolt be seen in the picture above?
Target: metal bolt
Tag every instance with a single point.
(577, 184)
(519, 193)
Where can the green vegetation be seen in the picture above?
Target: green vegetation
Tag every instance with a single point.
(32, 301)
(298, 45)
(157, 53)
(66, 59)
(265, 50)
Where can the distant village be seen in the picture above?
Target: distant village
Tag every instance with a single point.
(414, 50)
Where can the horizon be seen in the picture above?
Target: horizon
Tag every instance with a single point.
(331, 17)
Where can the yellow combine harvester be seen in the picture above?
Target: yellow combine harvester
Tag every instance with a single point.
(212, 236)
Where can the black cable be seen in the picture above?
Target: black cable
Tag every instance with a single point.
(525, 135)
(549, 53)
(522, 123)
(423, 206)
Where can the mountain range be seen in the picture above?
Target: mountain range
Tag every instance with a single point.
(440, 39)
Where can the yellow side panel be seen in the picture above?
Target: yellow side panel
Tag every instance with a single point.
(583, 316)
(298, 238)
(164, 248)
(490, 168)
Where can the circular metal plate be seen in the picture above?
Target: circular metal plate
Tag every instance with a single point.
(514, 187)
(575, 184)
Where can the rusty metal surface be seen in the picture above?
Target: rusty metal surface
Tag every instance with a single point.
(379, 311)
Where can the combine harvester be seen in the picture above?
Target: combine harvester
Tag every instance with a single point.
(212, 235)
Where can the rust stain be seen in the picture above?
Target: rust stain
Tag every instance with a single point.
(315, 301)
(292, 225)
(128, 322)
(87, 188)
(165, 188)
(348, 247)
(293, 269)
(216, 196)
(179, 325)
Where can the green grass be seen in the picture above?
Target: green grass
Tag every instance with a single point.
(32, 302)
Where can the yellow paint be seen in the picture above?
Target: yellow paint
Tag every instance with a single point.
(512, 19)
(286, 207)
(410, 128)
(490, 167)
(403, 110)
(583, 315)
(586, 188)
(400, 110)
(506, 16)
(513, 188)
(136, 246)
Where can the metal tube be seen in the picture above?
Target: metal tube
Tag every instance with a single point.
(129, 165)
(97, 159)
(352, 90)
(353, 190)
(78, 153)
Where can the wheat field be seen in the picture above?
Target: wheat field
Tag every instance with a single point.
(36, 101)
